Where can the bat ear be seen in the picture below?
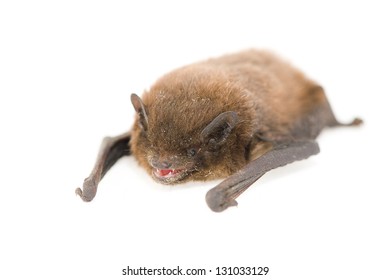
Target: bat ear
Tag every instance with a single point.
(220, 128)
(141, 111)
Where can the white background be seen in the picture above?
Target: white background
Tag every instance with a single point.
(67, 69)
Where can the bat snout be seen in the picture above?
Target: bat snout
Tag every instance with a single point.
(164, 162)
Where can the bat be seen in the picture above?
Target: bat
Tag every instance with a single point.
(234, 117)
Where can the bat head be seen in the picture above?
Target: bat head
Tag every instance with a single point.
(181, 146)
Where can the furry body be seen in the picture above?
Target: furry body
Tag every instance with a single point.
(271, 98)
(235, 117)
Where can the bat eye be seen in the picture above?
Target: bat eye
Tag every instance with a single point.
(191, 152)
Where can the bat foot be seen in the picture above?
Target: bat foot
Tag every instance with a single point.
(356, 121)
(219, 201)
(89, 190)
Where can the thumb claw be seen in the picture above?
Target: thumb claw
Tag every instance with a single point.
(79, 192)
(218, 201)
(89, 190)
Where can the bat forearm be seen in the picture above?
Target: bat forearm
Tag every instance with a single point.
(111, 149)
(224, 195)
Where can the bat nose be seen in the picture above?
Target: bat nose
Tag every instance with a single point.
(161, 163)
(165, 164)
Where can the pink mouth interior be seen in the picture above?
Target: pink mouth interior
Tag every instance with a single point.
(167, 172)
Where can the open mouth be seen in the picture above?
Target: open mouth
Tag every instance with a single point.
(168, 176)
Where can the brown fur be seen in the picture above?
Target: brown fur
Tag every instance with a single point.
(237, 116)
(274, 103)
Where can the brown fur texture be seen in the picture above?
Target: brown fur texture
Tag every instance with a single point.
(274, 102)
(235, 117)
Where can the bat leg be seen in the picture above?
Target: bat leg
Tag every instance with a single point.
(354, 122)
(111, 149)
(223, 195)
(325, 112)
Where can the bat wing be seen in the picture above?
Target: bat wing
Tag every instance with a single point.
(111, 149)
(223, 195)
